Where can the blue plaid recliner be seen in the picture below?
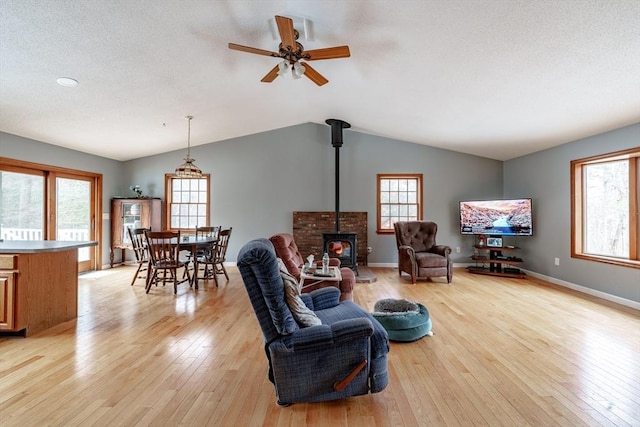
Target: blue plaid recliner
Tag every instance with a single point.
(344, 356)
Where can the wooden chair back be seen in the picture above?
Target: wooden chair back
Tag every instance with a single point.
(221, 247)
(139, 243)
(163, 247)
(207, 254)
(208, 231)
(220, 253)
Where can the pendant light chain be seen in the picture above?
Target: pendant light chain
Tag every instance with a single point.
(189, 136)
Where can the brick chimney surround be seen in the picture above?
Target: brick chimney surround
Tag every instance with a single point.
(309, 226)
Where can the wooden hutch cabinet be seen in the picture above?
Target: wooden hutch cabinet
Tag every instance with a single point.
(132, 213)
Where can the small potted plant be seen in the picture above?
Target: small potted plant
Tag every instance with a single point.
(136, 189)
(482, 240)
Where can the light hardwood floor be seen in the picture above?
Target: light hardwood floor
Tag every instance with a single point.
(505, 352)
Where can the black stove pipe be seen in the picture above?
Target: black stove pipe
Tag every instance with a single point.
(336, 140)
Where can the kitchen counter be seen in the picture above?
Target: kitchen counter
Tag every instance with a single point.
(38, 284)
(33, 246)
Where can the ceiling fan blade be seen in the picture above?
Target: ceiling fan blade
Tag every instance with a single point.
(252, 50)
(313, 75)
(271, 75)
(287, 33)
(327, 53)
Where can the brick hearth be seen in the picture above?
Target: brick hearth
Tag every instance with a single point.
(309, 226)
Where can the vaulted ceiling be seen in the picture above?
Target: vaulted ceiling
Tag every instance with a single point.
(499, 79)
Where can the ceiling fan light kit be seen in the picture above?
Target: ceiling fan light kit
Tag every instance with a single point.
(298, 70)
(292, 52)
(283, 68)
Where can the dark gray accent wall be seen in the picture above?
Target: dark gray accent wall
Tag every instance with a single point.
(545, 176)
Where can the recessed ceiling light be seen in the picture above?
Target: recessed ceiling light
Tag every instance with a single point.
(67, 82)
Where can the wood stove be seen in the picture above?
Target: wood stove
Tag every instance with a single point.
(343, 246)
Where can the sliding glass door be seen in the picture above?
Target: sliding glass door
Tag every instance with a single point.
(73, 215)
(39, 202)
(22, 205)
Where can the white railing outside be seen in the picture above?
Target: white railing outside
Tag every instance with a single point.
(73, 235)
(36, 234)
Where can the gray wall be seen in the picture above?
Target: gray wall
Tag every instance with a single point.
(545, 176)
(16, 147)
(259, 180)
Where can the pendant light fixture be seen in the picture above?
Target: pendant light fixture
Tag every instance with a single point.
(188, 169)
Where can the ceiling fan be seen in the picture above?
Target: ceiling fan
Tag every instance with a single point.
(292, 52)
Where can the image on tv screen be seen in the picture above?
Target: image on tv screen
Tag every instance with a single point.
(500, 217)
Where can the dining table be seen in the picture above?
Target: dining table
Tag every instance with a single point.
(193, 243)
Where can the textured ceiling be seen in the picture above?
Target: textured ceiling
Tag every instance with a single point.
(497, 79)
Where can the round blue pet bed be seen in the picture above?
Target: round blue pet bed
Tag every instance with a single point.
(404, 320)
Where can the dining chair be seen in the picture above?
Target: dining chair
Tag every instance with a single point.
(206, 256)
(211, 232)
(221, 254)
(140, 250)
(164, 259)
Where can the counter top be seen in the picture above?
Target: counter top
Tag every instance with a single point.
(33, 246)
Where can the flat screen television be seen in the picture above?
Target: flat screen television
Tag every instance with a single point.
(504, 217)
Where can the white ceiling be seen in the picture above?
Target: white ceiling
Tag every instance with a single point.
(499, 79)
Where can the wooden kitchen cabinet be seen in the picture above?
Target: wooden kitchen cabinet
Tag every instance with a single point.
(7, 292)
(38, 284)
(39, 290)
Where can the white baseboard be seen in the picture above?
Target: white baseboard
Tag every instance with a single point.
(618, 300)
(116, 264)
(395, 264)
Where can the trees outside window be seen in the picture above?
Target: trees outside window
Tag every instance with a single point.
(22, 205)
(44, 202)
(605, 208)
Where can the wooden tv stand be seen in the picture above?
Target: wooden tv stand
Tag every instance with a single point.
(498, 264)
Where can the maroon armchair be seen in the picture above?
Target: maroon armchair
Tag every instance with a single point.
(418, 254)
(287, 251)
